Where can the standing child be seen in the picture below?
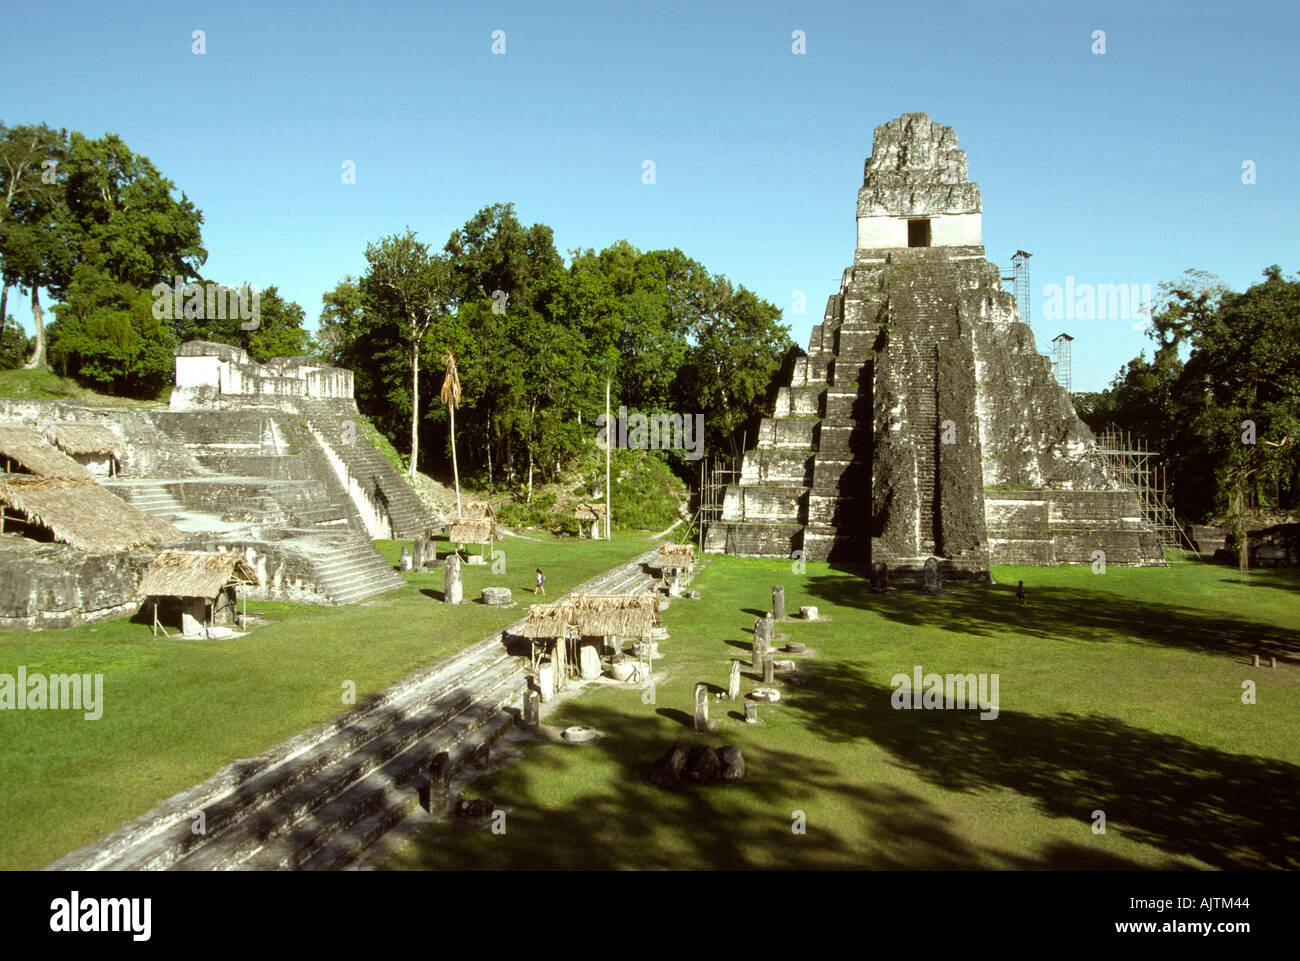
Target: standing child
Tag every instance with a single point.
(541, 583)
(1020, 593)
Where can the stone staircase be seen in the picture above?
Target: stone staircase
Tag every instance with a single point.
(151, 497)
(319, 800)
(346, 576)
(336, 432)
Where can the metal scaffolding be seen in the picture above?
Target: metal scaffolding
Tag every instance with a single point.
(1131, 466)
(714, 480)
(1019, 281)
(1061, 362)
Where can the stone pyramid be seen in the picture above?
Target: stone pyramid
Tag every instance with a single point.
(923, 421)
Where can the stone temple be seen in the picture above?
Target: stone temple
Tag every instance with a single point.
(923, 421)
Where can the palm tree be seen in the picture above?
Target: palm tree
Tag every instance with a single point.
(451, 397)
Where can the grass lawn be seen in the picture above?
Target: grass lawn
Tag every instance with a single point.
(176, 711)
(1119, 692)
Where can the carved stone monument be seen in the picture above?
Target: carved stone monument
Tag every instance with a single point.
(452, 587)
(701, 707)
(932, 577)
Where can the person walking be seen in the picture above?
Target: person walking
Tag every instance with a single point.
(1020, 593)
(541, 583)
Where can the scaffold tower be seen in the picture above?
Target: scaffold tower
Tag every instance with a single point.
(1061, 360)
(1131, 465)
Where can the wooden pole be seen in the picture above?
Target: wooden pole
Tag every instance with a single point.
(609, 435)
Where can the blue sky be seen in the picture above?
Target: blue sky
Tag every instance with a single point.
(1117, 168)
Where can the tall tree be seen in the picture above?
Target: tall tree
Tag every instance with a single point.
(407, 285)
(32, 253)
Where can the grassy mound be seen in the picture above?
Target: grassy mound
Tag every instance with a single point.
(645, 495)
(47, 385)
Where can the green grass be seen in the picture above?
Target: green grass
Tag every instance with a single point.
(1119, 692)
(176, 711)
(47, 385)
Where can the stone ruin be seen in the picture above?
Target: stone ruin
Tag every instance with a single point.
(265, 460)
(923, 421)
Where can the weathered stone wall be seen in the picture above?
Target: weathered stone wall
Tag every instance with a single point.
(50, 585)
(217, 375)
(146, 451)
(1067, 526)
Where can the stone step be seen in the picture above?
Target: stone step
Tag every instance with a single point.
(336, 766)
(232, 795)
(350, 844)
(298, 840)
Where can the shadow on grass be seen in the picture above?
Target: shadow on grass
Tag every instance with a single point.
(621, 821)
(1065, 613)
(1282, 580)
(1229, 810)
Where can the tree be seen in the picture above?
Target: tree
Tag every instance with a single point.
(105, 335)
(74, 201)
(280, 331)
(411, 288)
(31, 254)
(15, 345)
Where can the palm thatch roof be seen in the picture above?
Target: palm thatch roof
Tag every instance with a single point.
(476, 511)
(28, 449)
(547, 621)
(676, 556)
(480, 531)
(645, 601)
(592, 607)
(83, 514)
(623, 622)
(82, 439)
(194, 574)
(588, 512)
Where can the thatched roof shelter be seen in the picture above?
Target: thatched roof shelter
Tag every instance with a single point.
(480, 531)
(621, 622)
(593, 608)
(594, 615)
(476, 511)
(548, 621)
(194, 574)
(83, 439)
(26, 448)
(588, 512)
(83, 514)
(676, 556)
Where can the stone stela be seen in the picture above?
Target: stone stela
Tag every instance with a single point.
(452, 586)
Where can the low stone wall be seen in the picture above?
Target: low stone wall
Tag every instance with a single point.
(146, 450)
(47, 585)
(1067, 526)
